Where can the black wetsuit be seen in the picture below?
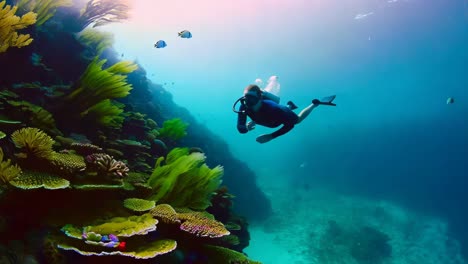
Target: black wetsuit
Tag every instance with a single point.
(271, 115)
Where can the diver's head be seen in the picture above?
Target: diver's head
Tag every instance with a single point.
(252, 95)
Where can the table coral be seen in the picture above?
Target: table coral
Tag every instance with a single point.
(35, 180)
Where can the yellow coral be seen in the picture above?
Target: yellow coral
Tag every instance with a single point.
(8, 172)
(10, 23)
(45, 9)
(36, 143)
(35, 180)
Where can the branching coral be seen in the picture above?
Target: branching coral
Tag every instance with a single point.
(102, 12)
(45, 9)
(174, 129)
(106, 165)
(8, 172)
(184, 180)
(35, 142)
(10, 23)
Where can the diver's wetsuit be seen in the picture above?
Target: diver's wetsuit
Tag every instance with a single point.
(270, 114)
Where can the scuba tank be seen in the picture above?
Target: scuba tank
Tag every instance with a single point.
(272, 89)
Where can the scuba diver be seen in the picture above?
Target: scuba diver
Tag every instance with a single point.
(264, 109)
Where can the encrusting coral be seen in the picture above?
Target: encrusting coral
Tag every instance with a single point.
(138, 205)
(35, 180)
(45, 9)
(10, 23)
(201, 224)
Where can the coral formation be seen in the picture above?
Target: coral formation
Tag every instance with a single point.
(184, 180)
(66, 164)
(8, 172)
(173, 129)
(35, 180)
(138, 205)
(45, 9)
(125, 227)
(85, 149)
(95, 86)
(10, 23)
(35, 142)
(201, 224)
(106, 165)
(35, 115)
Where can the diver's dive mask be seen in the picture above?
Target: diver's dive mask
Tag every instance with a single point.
(248, 100)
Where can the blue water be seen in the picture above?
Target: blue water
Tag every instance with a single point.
(392, 135)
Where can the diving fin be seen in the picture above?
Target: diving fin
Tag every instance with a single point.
(328, 100)
(291, 105)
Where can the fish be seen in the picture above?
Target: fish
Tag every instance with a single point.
(450, 100)
(160, 44)
(185, 34)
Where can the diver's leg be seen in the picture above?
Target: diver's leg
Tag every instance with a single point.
(305, 112)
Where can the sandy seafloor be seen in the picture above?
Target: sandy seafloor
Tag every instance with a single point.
(295, 233)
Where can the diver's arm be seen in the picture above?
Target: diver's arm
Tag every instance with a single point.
(241, 119)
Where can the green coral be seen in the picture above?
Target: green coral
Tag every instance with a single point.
(67, 163)
(184, 180)
(35, 180)
(138, 205)
(35, 142)
(8, 172)
(2, 134)
(95, 86)
(106, 113)
(35, 116)
(125, 227)
(174, 129)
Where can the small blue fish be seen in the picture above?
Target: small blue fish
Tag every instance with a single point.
(160, 44)
(185, 34)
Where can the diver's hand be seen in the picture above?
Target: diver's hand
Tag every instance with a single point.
(250, 125)
(264, 138)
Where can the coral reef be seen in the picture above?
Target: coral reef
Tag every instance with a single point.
(173, 129)
(139, 205)
(34, 142)
(106, 165)
(45, 9)
(33, 180)
(8, 172)
(10, 23)
(184, 180)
